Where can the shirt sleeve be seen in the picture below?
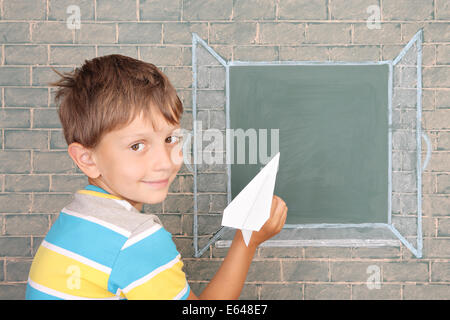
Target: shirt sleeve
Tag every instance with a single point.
(149, 267)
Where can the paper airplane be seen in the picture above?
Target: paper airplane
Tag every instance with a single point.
(250, 209)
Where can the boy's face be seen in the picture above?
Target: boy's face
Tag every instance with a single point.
(132, 158)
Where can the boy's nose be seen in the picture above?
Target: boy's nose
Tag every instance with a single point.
(160, 158)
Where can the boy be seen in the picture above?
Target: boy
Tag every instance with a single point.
(120, 117)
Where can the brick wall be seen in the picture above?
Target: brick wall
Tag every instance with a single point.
(37, 177)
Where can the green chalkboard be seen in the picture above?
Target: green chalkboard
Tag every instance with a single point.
(333, 137)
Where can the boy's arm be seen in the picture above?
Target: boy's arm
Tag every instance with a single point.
(227, 283)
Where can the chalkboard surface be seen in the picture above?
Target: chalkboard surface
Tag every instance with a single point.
(333, 137)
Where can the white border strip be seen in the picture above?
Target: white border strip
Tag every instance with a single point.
(63, 295)
(140, 236)
(74, 256)
(147, 277)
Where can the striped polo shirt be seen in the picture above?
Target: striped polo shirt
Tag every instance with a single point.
(101, 247)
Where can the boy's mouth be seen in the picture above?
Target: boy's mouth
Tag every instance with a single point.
(157, 183)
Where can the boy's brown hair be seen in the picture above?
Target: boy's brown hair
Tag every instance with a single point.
(107, 93)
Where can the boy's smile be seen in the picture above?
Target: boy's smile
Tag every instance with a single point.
(138, 162)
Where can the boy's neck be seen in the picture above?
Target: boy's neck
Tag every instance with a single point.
(100, 184)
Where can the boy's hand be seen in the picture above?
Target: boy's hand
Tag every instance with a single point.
(273, 225)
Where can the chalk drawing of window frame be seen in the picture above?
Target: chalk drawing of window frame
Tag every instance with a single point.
(367, 234)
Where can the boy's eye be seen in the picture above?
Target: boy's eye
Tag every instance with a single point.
(136, 144)
(175, 139)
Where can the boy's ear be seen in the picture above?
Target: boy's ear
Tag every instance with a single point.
(84, 159)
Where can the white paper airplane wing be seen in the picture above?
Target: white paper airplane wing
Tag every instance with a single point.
(250, 209)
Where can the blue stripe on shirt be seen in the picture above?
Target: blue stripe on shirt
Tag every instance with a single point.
(143, 257)
(86, 238)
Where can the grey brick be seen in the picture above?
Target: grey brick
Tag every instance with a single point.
(350, 270)
(207, 10)
(152, 208)
(179, 203)
(212, 182)
(171, 222)
(436, 248)
(46, 118)
(432, 32)
(2, 276)
(116, 10)
(15, 161)
(440, 271)
(207, 224)
(130, 51)
(26, 139)
(282, 252)
(282, 291)
(254, 10)
(26, 183)
(160, 10)
(13, 291)
(328, 33)
(24, 10)
(355, 53)
(50, 202)
(68, 183)
(15, 203)
(298, 53)
(442, 10)
(443, 54)
(408, 10)
(164, 55)
(52, 162)
(57, 9)
(42, 76)
(71, 55)
(249, 292)
(14, 76)
(25, 97)
(237, 33)
(256, 53)
(443, 229)
(201, 269)
(390, 33)
(426, 292)
(180, 77)
(405, 271)
(340, 9)
(436, 77)
(181, 32)
(186, 183)
(17, 270)
(26, 224)
(15, 247)
(145, 33)
(380, 252)
(207, 99)
(14, 32)
(51, 32)
(305, 270)
(96, 33)
(385, 292)
(57, 140)
(327, 291)
(282, 33)
(443, 183)
(328, 252)
(264, 271)
(302, 10)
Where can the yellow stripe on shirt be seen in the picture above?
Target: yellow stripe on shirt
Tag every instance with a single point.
(99, 194)
(67, 275)
(165, 285)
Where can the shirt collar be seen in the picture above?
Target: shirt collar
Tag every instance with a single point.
(102, 193)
